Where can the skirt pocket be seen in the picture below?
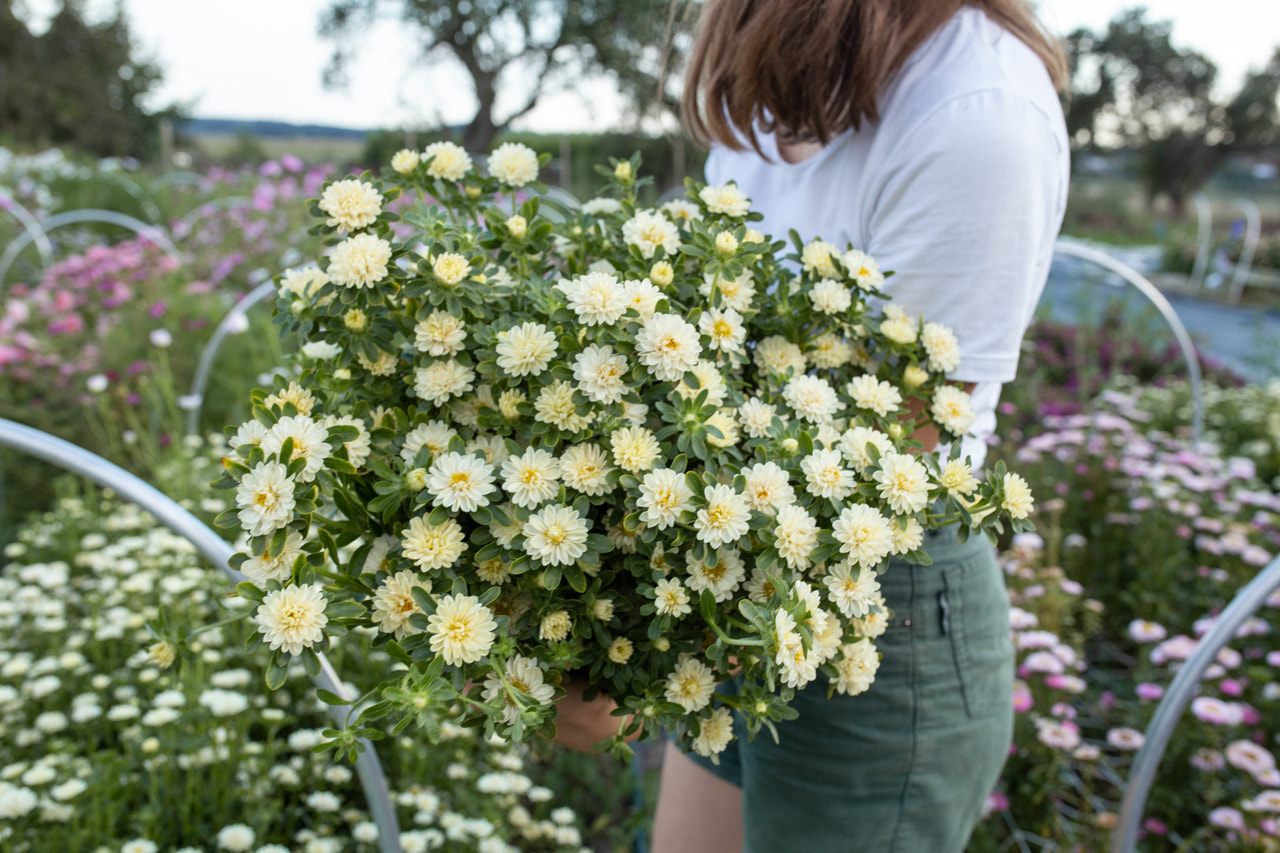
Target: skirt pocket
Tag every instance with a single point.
(975, 615)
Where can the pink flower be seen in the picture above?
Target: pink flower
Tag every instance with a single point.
(1149, 692)
(1216, 712)
(1230, 687)
(1154, 826)
(1022, 698)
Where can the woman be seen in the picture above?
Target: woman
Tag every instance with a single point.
(927, 133)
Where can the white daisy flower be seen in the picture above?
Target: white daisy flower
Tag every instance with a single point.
(649, 231)
(351, 204)
(863, 534)
(767, 487)
(460, 482)
(433, 435)
(831, 297)
(1017, 499)
(586, 467)
(432, 546)
(798, 669)
(725, 329)
(393, 604)
(642, 297)
(441, 380)
(404, 161)
(795, 536)
(725, 422)
(957, 478)
(461, 629)
(447, 160)
(690, 685)
(908, 536)
(866, 274)
(292, 618)
(871, 394)
(525, 350)
(664, 494)
(682, 211)
(952, 409)
(634, 448)
(709, 379)
(263, 567)
(756, 417)
(816, 257)
(531, 478)
(856, 669)
(714, 733)
(521, 674)
(596, 298)
(601, 374)
(441, 334)
(265, 498)
(303, 282)
(725, 199)
(853, 444)
(513, 164)
(671, 599)
(941, 345)
(556, 535)
(555, 407)
(302, 399)
(601, 206)
(735, 294)
(778, 354)
(811, 398)
(359, 261)
(555, 626)
(903, 483)
(725, 518)
(310, 442)
(855, 592)
(668, 346)
(722, 579)
(829, 350)
(826, 476)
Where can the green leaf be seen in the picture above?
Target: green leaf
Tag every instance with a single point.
(277, 671)
(330, 698)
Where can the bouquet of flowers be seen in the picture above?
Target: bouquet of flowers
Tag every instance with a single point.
(642, 447)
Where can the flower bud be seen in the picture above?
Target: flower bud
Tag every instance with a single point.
(473, 193)
(895, 431)
(517, 225)
(661, 274)
(162, 654)
(790, 446)
(355, 320)
(417, 479)
(752, 236)
(342, 374)
(602, 609)
(914, 376)
(726, 244)
(662, 644)
(622, 171)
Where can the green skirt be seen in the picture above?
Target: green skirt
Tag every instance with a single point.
(906, 766)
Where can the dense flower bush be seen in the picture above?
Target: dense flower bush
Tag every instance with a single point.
(111, 739)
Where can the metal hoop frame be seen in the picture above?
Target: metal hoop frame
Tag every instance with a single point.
(155, 233)
(1153, 295)
(213, 548)
(204, 368)
(33, 227)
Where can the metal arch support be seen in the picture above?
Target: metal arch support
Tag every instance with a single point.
(169, 179)
(1204, 239)
(1179, 696)
(33, 227)
(131, 187)
(154, 233)
(1253, 232)
(204, 368)
(211, 207)
(217, 551)
(1153, 294)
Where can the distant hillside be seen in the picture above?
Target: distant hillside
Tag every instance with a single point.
(266, 129)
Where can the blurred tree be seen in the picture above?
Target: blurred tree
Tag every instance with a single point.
(533, 45)
(1132, 87)
(78, 84)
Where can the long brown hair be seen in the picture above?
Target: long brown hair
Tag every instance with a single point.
(814, 68)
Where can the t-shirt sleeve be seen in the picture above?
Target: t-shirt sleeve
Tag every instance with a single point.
(968, 199)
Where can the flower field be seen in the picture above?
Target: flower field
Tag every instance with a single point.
(134, 711)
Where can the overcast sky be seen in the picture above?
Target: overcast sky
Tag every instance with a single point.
(262, 59)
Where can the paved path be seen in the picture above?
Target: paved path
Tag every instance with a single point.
(1246, 340)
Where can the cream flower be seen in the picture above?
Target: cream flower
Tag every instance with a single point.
(441, 334)
(903, 483)
(710, 379)
(857, 667)
(596, 298)
(826, 476)
(1017, 499)
(690, 685)
(722, 579)
(509, 403)
(531, 478)
(523, 675)
(941, 345)
(871, 394)
(855, 592)
(957, 478)
(620, 650)
(432, 546)
(449, 268)
(863, 534)
(724, 328)
(393, 604)
(725, 518)
(555, 407)
(734, 293)
(642, 297)
(899, 331)
(952, 409)
(756, 417)
(310, 442)
(634, 448)
(767, 487)
(461, 629)
(795, 536)
(451, 162)
(798, 668)
(853, 444)
(460, 482)
(351, 204)
(811, 398)
(725, 422)
(302, 399)
(404, 161)
(649, 231)
(525, 350)
(263, 567)
(601, 374)
(682, 211)
(304, 282)
(265, 498)
(555, 626)
(556, 535)
(433, 435)
(908, 536)
(779, 354)
(359, 261)
(816, 257)
(829, 350)
(586, 467)
(513, 164)
(440, 380)
(292, 619)
(671, 599)
(664, 495)
(725, 199)
(601, 206)
(830, 297)
(866, 274)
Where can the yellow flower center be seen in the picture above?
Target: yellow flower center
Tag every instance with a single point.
(555, 534)
(719, 515)
(458, 630)
(461, 478)
(294, 616)
(722, 329)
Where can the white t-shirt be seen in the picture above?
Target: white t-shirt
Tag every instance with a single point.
(960, 189)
